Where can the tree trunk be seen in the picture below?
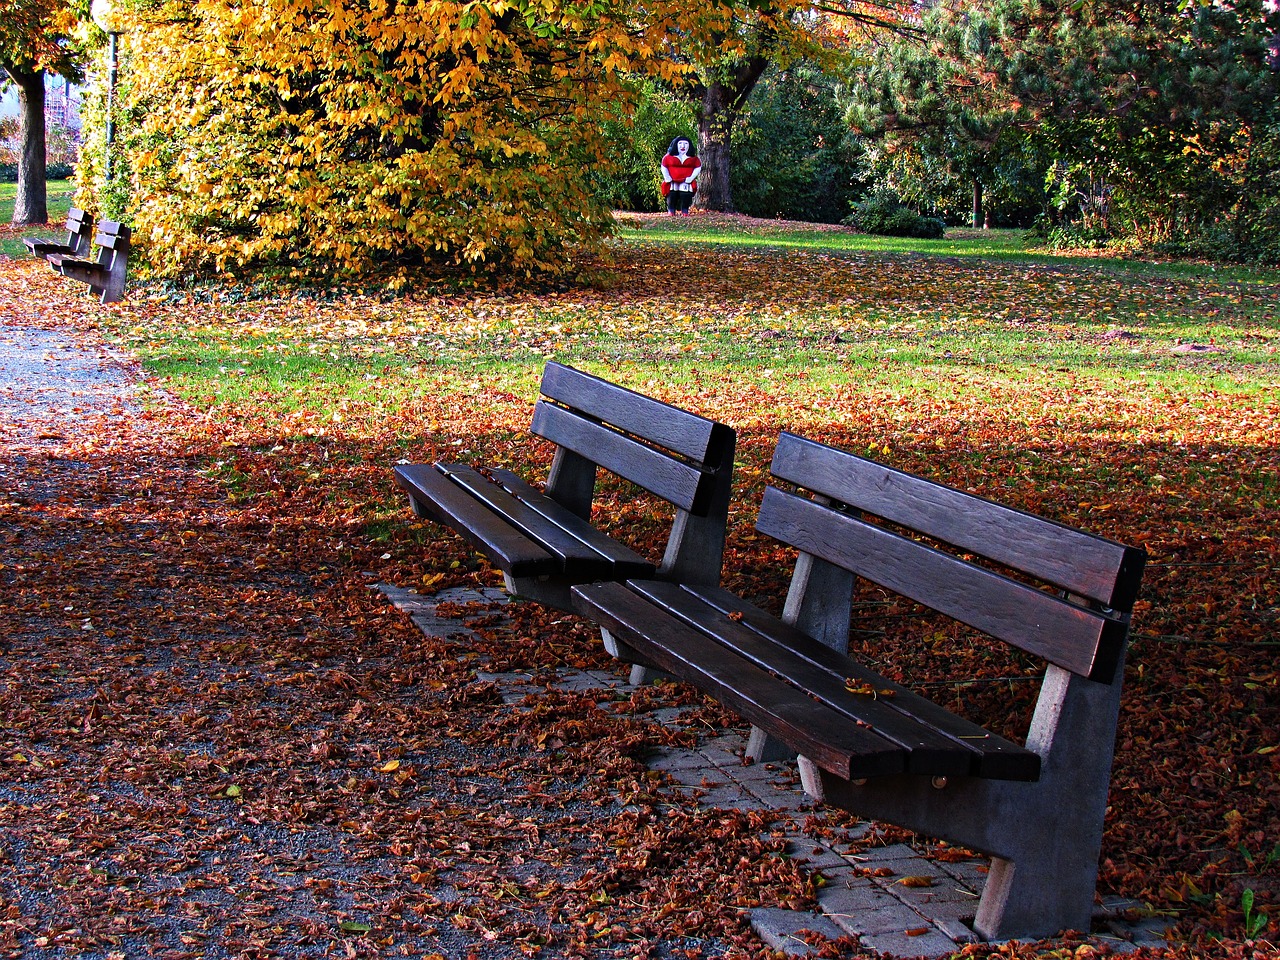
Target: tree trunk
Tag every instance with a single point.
(31, 203)
(716, 112)
(979, 221)
(715, 123)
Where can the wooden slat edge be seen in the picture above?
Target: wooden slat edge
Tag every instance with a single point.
(1031, 620)
(616, 608)
(994, 757)
(448, 504)
(691, 435)
(674, 480)
(1102, 570)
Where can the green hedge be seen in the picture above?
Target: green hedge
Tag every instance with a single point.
(55, 171)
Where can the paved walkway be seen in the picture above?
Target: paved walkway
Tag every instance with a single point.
(895, 899)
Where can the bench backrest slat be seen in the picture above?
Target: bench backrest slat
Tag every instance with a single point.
(680, 483)
(1080, 563)
(78, 222)
(1075, 638)
(111, 235)
(700, 440)
(680, 456)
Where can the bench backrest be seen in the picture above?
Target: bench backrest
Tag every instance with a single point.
(684, 458)
(79, 231)
(111, 239)
(1083, 629)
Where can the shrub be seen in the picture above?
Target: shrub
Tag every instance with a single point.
(54, 171)
(885, 215)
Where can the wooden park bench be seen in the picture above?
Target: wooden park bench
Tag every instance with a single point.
(544, 541)
(105, 275)
(872, 746)
(79, 235)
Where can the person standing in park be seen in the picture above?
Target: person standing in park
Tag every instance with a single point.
(680, 169)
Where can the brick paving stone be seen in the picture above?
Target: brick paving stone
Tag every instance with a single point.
(815, 856)
(941, 909)
(958, 931)
(728, 795)
(780, 929)
(853, 895)
(893, 918)
(894, 851)
(931, 943)
(669, 760)
(972, 873)
(909, 867)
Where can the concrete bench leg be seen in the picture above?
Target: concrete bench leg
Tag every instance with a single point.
(1044, 837)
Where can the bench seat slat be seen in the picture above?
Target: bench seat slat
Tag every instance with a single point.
(688, 434)
(928, 751)
(44, 248)
(583, 551)
(1079, 562)
(440, 498)
(808, 725)
(680, 483)
(819, 668)
(1074, 638)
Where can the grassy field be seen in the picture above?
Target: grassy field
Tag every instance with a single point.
(1138, 400)
(59, 196)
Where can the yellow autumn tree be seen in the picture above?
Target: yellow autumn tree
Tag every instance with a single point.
(344, 136)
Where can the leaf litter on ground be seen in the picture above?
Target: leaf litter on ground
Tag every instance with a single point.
(222, 741)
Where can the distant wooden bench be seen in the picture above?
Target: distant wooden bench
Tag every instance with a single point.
(874, 747)
(105, 275)
(544, 541)
(77, 244)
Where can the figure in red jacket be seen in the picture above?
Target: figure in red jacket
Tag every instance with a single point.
(680, 169)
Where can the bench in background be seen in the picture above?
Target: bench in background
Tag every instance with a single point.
(543, 541)
(872, 746)
(77, 244)
(105, 275)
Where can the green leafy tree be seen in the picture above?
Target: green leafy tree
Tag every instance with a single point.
(36, 38)
(941, 119)
(728, 60)
(792, 156)
(1151, 118)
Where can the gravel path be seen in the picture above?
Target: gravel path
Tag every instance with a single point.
(49, 381)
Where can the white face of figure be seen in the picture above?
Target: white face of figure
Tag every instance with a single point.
(682, 147)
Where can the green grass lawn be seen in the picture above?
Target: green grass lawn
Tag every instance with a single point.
(1013, 246)
(59, 196)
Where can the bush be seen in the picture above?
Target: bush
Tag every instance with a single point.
(885, 215)
(54, 171)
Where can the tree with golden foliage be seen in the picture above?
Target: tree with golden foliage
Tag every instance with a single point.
(347, 136)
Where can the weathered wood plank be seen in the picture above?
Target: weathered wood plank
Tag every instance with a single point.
(813, 728)
(674, 480)
(1076, 639)
(928, 751)
(438, 497)
(814, 666)
(1075, 561)
(564, 530)
(692, 436)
